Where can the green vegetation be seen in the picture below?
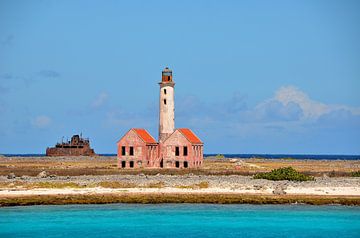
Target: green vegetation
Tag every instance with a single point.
(355, 174)
(219, 156)
(287, 173)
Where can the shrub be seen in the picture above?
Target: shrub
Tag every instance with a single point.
(355, 174)
(284, 174)
(203, 184)
(220, 156)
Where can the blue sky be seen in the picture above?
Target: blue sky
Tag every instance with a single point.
(251, 76)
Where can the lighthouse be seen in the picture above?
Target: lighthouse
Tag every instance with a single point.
(176, 148)
(166, 105)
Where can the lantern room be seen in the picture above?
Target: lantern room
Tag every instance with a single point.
(167, 75)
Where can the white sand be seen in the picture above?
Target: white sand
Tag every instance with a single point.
(338, 191)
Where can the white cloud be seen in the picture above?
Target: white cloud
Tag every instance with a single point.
(100, 100)
(41, 121)
(311, 109)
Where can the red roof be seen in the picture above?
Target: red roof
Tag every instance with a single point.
(190, 135)
(145, 136)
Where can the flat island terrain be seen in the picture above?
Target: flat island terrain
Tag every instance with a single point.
(82, 180)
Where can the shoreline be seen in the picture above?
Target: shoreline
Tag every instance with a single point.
(69, 180)
(158, 198)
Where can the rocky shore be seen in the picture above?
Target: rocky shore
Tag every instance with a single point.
(27, 190)
(214, 181)
(42, 180)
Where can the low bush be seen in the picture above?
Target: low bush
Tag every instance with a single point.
(287, 173)
(355, 174)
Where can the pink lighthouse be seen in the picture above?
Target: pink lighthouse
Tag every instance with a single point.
(176, 148)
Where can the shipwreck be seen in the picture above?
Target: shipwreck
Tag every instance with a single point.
(77, 146)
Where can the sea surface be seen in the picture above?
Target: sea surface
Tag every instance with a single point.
(180, 220)
(246, 156)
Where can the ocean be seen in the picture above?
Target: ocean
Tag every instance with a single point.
(246, 156)
(180, 220)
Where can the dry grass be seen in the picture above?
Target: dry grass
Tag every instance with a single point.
(103, 184)
(107, 166)
(33, 185)
(115, 184)
(155, 185)
(14, 184)
(54, 185)
(203, 184)
(176, 198)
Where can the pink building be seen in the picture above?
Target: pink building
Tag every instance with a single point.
(177, 148)
(137, 149)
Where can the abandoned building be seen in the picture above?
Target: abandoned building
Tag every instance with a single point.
(176, 148)
(77, 146)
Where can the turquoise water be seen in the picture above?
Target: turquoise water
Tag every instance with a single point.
(180, 220)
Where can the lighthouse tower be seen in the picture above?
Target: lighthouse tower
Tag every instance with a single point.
(167, 108)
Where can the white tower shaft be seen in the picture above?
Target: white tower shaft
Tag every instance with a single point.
(167, 108)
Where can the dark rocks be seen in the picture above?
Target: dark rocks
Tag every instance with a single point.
(11, 176)
(279, 190)
(258, 187)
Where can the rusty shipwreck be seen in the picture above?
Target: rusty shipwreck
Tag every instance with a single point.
(77, 146)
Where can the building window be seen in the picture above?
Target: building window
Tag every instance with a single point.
(168, 78)
(185, 164)
(123, 150)
(123, 164)
(165, 101)
(131, 164)
(177, 151)
(131, 150)
(177, 164)
(185, 151)
(165, 91)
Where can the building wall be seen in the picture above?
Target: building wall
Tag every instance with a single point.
(167, 111)
(194, 157)
(144, 154)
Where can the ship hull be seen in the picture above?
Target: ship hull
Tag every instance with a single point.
(69, 152)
